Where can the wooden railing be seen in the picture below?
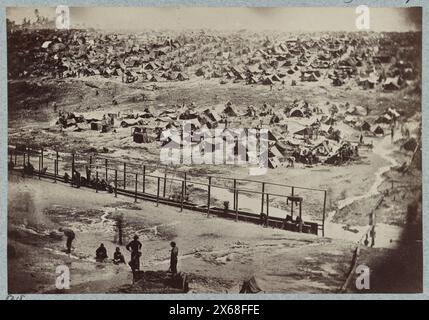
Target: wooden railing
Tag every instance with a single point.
(149, 183)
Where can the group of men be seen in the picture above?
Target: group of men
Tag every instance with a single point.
(134, 247)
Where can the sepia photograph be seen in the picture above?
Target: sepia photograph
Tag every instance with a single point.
(215, 150)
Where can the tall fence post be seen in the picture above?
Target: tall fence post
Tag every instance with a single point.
(183, 196)
(235, 187)
(135, 191)
(106, 163)
(40, 172)
(56, 158)
(186, 185)
(125, 176)
(324, 214)
(268, 209)
(96, 179)
(209, 195)
(72, 165)
(55, 171)
(41, 154)
(165, 184)
(262, 198)
(157, 192)
(15, 158)
(291, 205)
(236, 208)
(144, 179)
(116, 183)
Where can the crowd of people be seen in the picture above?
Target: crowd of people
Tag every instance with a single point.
(134, 247)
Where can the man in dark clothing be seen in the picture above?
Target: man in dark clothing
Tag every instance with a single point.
(118, 257)
(101, 253)
(173, 257)
(70, 237)
(76, 179)
(134, 247)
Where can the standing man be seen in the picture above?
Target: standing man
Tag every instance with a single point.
(70, 237)
(173, 257)
(134, 247)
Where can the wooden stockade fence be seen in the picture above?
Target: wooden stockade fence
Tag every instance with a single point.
(136, 180)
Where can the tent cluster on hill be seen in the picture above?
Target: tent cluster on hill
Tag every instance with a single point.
(370, 59)
(298, 132)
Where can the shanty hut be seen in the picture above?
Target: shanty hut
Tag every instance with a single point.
(385, 118)
(146, 115)
(410, 144)
(128, 123)
(229, 111)
(296, 112)
(140, 135)
(181, 76)
(322, 149)
(274, 152)
(391, 84)
(96, 125)
(306, 132)
(266, 81)
(364, 126)
(273, 163)
(377, 130)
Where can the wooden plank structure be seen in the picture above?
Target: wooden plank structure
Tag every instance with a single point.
(109, 164)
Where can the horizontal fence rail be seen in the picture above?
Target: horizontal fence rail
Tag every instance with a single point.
(152, 183)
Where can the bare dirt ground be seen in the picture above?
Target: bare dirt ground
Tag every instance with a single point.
(217, 254)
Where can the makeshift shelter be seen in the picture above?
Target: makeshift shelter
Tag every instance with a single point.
(377, 130)
(296, 112)
(351, 120)
(146, 115)
(273, 163)
(307, 132)
(128, 123)
(140, 135)
(410, 144)
(250, 286)
(391, 84)
(229, 111)
(330, 121)
(385, 118)
(212, 115)
(267, 81)
(188, 115)
(364, 126)
(274, 152)
(96, 125)
(342, 154)
(182, 76)
(322, 149)
(393, 113)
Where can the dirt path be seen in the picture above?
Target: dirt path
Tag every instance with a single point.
(383, 148)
